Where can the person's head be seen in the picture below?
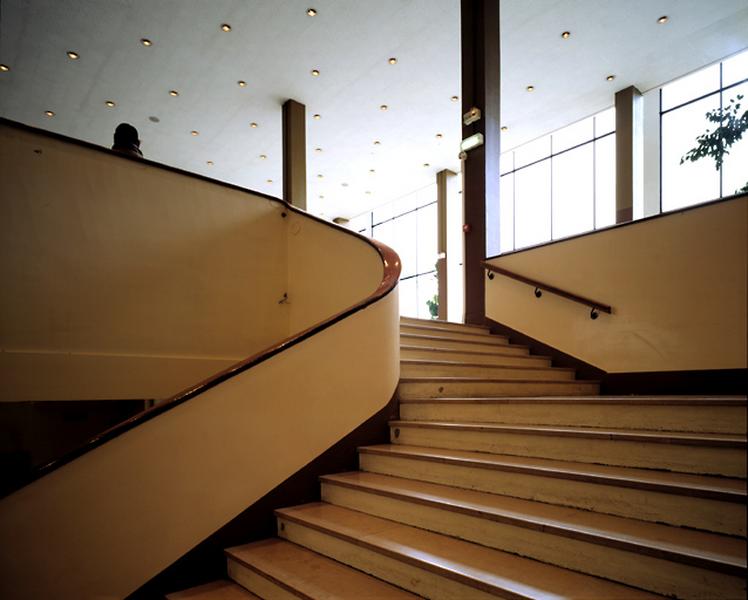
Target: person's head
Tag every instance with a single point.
(126, 135)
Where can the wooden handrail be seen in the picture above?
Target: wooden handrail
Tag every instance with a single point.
(593, 304)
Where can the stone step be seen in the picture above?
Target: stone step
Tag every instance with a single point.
(503, 357)
(659, 558)
(216, 590)
(445, 325)
(470, 335)
(433, 565)
(421, 368)
(714, 504)
(705, 414)
(492, 343)
(713, 454)
(472, 387)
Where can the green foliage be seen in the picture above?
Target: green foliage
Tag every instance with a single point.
(433, 305)
(731, 125)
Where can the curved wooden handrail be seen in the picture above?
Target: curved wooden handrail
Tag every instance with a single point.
(593, 304)
(390, 278)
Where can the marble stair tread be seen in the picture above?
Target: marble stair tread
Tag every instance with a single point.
(441, 324)
(428, 329)
(489, 570)
(216, 590)
(707, 550)
(491, 341)
(473, 352)
(311, 575)
(454, 363)
(705, 486)
(665, 437)
(589, 400)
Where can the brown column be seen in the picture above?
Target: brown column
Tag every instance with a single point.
(481, 89)
(441, 241)
(628, 151)
(294, 153)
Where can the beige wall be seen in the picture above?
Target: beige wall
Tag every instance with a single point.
(123, 280)
(677, 285)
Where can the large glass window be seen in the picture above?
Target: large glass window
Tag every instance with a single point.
(559, 185)
(684, 105)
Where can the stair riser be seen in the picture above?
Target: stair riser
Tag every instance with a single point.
(412, 578)
(482, 359)
(410, 370)
(468, 336)
(497, 346)
(697, 419)
(646, 572)
(443, 325)
(671, 457)
(478, 389)
(647, 505)
(255, 583)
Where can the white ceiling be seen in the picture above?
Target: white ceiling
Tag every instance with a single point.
(274, 45)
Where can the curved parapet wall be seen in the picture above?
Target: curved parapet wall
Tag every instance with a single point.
(110, 517)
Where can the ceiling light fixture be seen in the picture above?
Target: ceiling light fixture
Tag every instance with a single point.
(426, 165)
(253, 125)
(610, 77)
(263, 156)
(312, 12)
(209, 163)
(49, 113)
(73, 55)
(372, 171)
(392, 61)
(344, 184)
(439, 136)
(269, 180)
(225, 27)
(317, 117)
(377, 143)
(367, 192)
(566, 35)
(530, 88)
(241, 83)
(194, 133)
(321, 197)
(383, 107)
(146, 42)
(4, 68)
(318, 150)
(455, 98)
(173, 93)
(504, 128)
(110, 103)
(662, 20)
(320, 175)
(315, 73)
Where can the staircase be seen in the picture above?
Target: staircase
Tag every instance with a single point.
(507, 477)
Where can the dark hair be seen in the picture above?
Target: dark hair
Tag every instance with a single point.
(126, 135)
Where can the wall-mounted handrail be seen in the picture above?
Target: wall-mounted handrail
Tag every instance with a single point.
(539, 287)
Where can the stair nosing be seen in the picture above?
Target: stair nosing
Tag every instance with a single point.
(264, 575)
(430, 322)
(447, 363)
(604, 400)
(435, 379)
(715, 440)
(448, 339)
(563, 473)
(726, 566)
(476, 352)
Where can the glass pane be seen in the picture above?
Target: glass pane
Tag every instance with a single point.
(691, 182)
(384, 233)
(690, 87)
(735, 68)
(605, 121)
(572, 135)
(382, 213)
(408, 298)
(735, 166)
(404, 238)
(532, 205)
(426, 233)
(426, 195)
(427, 289)
(572, 192)
(605, 181)
(532, 151)
(506, 213)
(361, 224)
(506, 162)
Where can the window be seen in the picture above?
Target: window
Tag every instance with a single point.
(684, 105)
(559, 185)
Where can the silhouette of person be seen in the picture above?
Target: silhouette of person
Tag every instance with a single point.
(126, 140)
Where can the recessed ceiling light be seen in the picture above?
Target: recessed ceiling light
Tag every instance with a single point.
(193, 132)
(504, 128)
(312, 12)
(73, 55)
(146, 42)
(110, 103)
(49, 113)
(392, 61)
(439, 136)
(154, 119)
(315, 73)
(318, 150)
(367, 192)
(530, 88)
(225, 27)
(320, 175)
(269, 180)
(426, 165)
(317, 117)
(662, 20)
(455, 98)
(321, 197)
(566, 35)
(241, 83)
(344, 184)
(372, 171)
(4, 68)
(173, 93)
(377, 142)
(263, 156)
(383, 107)
(253, 125)
(209, 163)
(610, 77)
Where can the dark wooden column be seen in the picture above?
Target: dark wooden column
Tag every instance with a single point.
(481, 88)
(294, 153)
(628, 151)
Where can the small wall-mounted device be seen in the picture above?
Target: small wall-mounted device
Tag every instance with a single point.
(471, 142)
(471, 116)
